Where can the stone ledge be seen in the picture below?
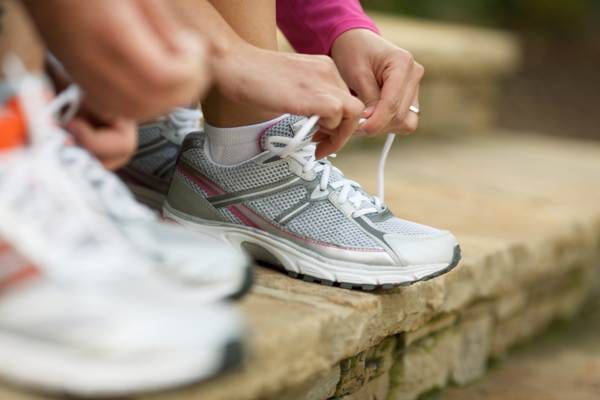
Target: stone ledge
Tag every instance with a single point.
(527, 213)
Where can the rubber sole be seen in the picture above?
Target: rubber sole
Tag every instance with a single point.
(247, 284)
(298, 262)
(155, 200)
(369, 288)
(60, 377)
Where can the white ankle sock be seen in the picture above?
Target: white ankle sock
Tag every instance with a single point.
(230, 146)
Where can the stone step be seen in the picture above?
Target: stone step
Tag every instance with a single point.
(562, 364)
(526, 209)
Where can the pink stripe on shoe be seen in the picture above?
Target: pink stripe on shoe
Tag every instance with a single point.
(210, 188)
(239, 215)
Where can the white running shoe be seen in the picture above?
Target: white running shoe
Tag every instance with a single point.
(81, 311)
(287, 208)
(208, 268)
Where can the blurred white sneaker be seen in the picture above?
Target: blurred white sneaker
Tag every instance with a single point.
(83, 341)
(202, 262)
(81, 311)
(208, 268)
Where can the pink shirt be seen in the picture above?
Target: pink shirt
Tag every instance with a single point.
(312, 26)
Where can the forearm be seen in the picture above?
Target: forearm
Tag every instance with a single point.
(312, 26)
(203, 18)
(19, 37)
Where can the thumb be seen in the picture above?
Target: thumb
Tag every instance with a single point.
(367, 89)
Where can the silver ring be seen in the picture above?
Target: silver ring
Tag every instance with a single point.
(414, 109)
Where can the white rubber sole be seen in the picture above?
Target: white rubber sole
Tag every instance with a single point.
(301, 261)
(59, 370)
(230, 290)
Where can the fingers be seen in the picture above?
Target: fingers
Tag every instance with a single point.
(340, 126)
(406, 120)
(113, 145)
(339, 113)
(164, 21)
(131, 58)
(400, 90)
(410, 123)
(367, 89)
(155, 69)
(395, 80)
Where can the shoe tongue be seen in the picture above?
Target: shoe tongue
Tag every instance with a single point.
(286, 127)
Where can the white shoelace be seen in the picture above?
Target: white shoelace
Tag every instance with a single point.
(113, 192)
(42, 173)
(115, 197)
(350, 192)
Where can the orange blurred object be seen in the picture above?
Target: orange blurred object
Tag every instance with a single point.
(12, 125)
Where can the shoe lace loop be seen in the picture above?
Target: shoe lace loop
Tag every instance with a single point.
(349, 192)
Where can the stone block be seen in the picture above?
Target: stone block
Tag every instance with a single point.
(475, 336)
(425, 365)
(437, 324)
(357, 371)
(375, 389)
(321, 387)
(537, 315)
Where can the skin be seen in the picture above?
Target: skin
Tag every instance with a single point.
(111, 140)
(385, 77)
(133, 58)
(253, 86)
(254, 82)
(18, 36)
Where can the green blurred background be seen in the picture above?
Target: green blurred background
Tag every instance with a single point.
(557, 89)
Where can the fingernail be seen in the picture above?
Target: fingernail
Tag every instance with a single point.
(368, 111)
(362, 121)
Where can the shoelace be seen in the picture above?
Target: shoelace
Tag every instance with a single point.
(111, 189)
(120, 203)
(48, 137)
(85, 228)
(350, 192)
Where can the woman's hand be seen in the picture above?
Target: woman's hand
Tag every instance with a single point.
(131, 57)
(292, 83)
(385, 77)
(113, 142)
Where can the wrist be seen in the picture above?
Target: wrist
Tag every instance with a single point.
(351, 45)
(230, 64)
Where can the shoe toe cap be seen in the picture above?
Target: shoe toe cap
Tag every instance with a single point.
(441, 248)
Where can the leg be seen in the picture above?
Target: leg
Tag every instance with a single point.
(254, 21)
(18, 37)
